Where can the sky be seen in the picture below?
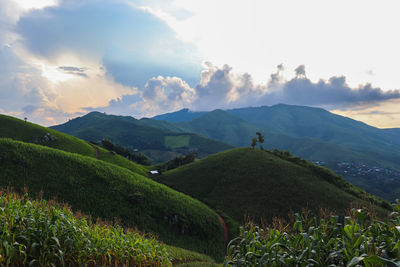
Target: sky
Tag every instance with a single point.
(60, 59)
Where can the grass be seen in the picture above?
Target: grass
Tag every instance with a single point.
(116, 159)
(198, 264)
(262, 185)
(359, 239)
(177, 141)
(112, 193)
(182, 256)
(41, 233)
(17, 129)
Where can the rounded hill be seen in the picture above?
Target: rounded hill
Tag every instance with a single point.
(264, 184)
(20, 130)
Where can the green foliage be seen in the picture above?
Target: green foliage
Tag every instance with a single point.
(357, 239)
(107, 191)
(262, 185)
(177, 141)
(253, 142)
(110, 157)
(176, 162)
(125, 152)
(40, 233)
(179, 255)
(198, 264)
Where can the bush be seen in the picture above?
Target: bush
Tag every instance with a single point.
(125, 152)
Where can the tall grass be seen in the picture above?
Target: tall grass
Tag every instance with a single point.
(41, 233)
(359, 239)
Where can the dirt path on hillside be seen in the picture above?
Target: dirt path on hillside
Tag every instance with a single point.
(225, 232)
(96, 152)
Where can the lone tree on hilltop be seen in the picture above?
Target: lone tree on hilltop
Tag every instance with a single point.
(260, 139)
(253, 142)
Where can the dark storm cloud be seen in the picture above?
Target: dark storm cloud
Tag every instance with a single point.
(335, 93)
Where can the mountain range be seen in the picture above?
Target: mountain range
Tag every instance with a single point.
(311, 133)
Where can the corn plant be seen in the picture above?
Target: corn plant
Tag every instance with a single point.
(359, 239)
(40, 233)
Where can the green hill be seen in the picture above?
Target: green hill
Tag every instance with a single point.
(311, 133)
(111, 193)
(17, 129)
(263, 184)
(157, 143)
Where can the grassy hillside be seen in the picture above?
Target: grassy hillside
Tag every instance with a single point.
(17, 129)
(262, 184)
(107, 156)
(32, 133)
(107, 191)
(139, 134)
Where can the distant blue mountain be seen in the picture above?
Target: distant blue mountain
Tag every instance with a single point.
(182, 115)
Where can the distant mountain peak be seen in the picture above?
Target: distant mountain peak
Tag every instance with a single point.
(182, 115)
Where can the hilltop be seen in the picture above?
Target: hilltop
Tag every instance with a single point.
(263, 184)
(28, 132)
(109, 192)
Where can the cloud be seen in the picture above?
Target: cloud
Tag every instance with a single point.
(164, 94)
(300, 71)
(131, 43)
(58, 61)
(220, 87)
(73, 70)
(333, 93)
(31, 86)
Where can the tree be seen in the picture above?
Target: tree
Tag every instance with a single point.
(107, 144)
(260, 139)
(253, 142)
